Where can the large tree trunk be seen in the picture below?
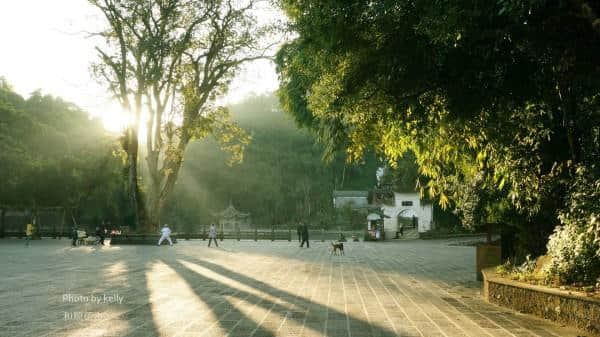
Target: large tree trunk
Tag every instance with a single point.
(154, 212)
(159, 191)
(132, 181)
(159, 197)
(154, 205)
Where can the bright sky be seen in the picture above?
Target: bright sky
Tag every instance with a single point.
(44, 47)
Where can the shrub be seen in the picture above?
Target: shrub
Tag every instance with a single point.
(523, 272)
(573, 254)
(574, 247)
(506, 268)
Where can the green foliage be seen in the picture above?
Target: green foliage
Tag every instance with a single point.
(523, 272)
(53, 154)
(497, 100)
(446, 220)
(403, 175)
(348, 217)
(281, 179)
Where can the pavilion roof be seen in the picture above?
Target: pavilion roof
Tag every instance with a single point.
(231, 212)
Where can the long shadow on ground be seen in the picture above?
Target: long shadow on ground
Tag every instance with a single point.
(301, 304)
(217, 295)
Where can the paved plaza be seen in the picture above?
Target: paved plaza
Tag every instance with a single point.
(260, 289)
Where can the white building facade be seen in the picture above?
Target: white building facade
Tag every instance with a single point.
(406, 207)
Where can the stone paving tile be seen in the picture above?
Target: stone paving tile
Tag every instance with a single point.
(258, 289)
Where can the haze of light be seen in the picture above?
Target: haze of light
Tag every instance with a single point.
(45, 47)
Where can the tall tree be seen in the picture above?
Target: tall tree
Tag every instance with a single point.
(172, 59)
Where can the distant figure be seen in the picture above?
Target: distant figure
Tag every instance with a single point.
(379, 175)
(29, 233)
(100, 235)
(299, 230)
(74, 236)
(401, 229)
(305, 236)
(377, 234)
(212, 235)
(165, 234)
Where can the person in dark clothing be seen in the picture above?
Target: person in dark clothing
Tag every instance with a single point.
(305, 236)
(299, 230)
(100, 235)
(74, 236)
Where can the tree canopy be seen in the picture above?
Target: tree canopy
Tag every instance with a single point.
(498, 100)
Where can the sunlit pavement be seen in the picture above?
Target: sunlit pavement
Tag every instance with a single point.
(409, 288)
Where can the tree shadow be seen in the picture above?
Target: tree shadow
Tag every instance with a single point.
(301, 311)
(137, 317)
(217, 295)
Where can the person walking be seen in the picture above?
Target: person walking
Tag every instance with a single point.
(299, 230)
(165, 234)
(74, 236)
(305, 236)
(29, 232)
(212, 235)
(100, 235)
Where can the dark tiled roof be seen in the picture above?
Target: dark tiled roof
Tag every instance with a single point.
(349, 194)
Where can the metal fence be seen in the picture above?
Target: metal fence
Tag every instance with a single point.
(275, 234)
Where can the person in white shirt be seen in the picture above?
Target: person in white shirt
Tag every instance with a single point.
(212, 235)
(165, 234)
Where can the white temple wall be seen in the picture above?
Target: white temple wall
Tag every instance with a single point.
(423, 212)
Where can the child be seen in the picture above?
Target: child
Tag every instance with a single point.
(29, 233)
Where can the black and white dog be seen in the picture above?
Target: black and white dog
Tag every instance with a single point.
(337, 247)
